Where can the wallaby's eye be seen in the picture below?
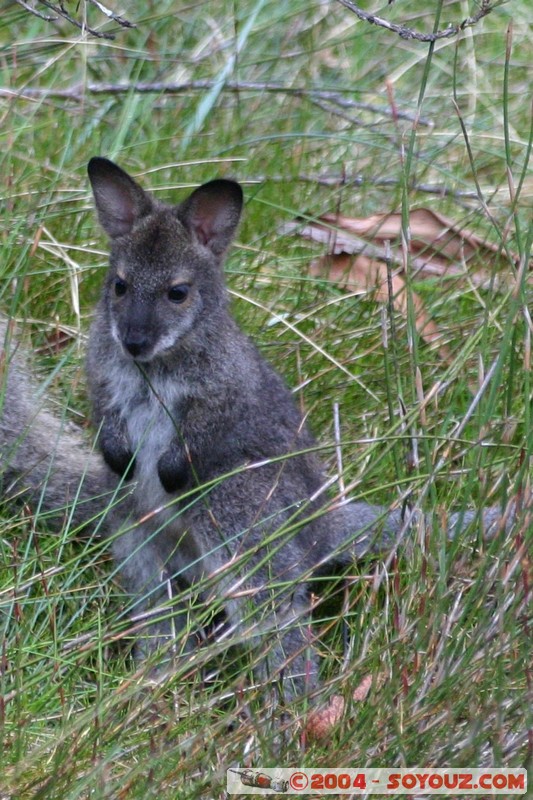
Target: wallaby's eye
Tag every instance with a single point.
(178, 293)
(120, 287)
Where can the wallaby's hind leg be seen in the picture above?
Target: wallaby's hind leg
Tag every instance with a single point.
(160, 619)
(278, 634)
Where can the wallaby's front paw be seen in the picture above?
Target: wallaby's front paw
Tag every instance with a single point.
(116, 451)
(121, 463)
(173, 469)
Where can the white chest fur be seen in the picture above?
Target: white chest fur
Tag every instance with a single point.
(148, 407)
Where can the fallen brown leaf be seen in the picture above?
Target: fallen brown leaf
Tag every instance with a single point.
(352, 273)
(56, 341)
(359, 250)
(437, 245)
(320, 722)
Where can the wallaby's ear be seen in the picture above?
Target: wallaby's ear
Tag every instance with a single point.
(212, 213)
(120, 201)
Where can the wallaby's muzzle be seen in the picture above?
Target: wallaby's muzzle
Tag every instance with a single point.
(137, 343)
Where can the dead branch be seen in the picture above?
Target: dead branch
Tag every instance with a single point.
(485, 8)
(347, 180)
(79, 92)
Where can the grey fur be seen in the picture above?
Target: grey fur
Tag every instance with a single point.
(44, 459)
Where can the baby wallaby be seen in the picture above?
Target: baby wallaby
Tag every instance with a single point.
(226, 488)
(182, 399)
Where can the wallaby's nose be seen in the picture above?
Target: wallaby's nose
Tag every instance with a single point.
(136, 343)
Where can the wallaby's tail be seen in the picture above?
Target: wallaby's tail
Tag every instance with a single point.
(367, 529)
(44, 460)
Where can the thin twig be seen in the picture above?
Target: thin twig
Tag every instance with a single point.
(34, 11)
(485, 7)
(338, 450)
(60, 11)
(111, 14)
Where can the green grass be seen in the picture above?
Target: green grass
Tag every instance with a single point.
(444, 630)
